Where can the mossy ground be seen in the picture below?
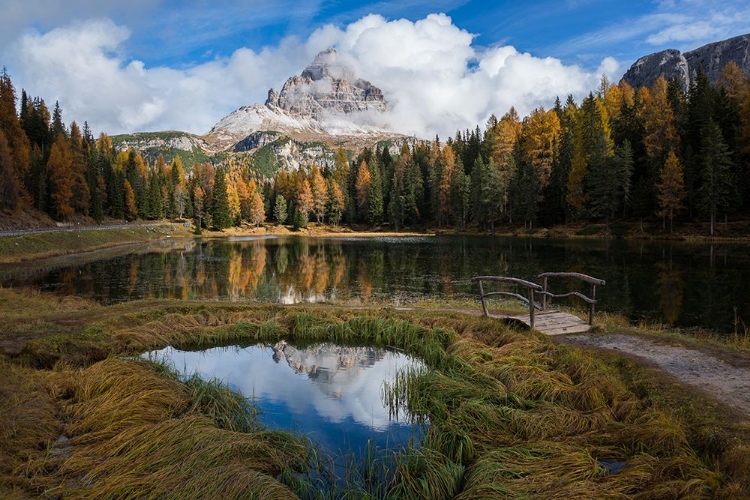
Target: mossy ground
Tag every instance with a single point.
(512, 414)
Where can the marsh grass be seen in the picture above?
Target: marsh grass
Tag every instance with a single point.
(511, 414)
(135, 431)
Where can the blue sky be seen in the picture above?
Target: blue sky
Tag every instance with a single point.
(131, 65)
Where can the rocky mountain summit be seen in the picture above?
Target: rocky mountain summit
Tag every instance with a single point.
(325, 100)
(671, 63)
(326, 87)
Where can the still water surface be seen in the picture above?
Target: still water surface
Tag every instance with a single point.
(332, 394)
(675, 283)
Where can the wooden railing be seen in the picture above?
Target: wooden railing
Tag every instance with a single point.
(591, 301)
(542, 290)
(531, 287)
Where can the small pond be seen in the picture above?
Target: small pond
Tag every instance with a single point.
(333, 395)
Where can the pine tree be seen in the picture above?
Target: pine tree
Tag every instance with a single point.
(386, 162)
(524, 188)
(603, 186)
(221, 216)
(279, 210)
(362, 187)
(592, 150)
(460, 195)
(199, 199)
(700, 110)
(57, 127)
(716, 191)
(375, 195)
(154, 204)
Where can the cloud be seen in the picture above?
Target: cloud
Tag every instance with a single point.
(436, 82)
(676, 24)
(18, 15)
(434, 79)
(82, 66)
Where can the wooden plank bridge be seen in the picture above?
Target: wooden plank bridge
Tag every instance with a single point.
(546, 321)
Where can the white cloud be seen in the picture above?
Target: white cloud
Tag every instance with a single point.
(435, 80)
(676, 24)
(17, 15)
(81, 66)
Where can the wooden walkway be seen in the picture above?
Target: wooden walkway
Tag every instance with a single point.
(550, 322)
(546, 321)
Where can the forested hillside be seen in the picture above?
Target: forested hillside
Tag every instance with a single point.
(621, 153)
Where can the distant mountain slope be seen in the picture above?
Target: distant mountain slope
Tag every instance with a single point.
(671, 63)
(189, 147)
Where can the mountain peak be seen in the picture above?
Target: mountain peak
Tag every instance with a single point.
(326, 87)
(672, 63)
(326, 99)
(327, 64)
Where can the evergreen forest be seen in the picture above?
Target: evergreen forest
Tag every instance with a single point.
(662, 152)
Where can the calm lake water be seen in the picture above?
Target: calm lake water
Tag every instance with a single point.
(332, 394)
(679, 284)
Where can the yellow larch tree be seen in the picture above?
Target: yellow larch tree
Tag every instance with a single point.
(319, 192)
(257, 209)
(59, 167)
(362, 187)
(131, 211)
(304, 199)
(448, 162)
(659, 123)
(539, 131)
(670, 190)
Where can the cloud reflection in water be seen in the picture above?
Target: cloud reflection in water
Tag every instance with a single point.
(329, 393)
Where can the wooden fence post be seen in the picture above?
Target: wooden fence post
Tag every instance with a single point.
(481, 293)
(531, 307)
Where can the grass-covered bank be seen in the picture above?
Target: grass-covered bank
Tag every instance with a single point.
(511, 414)
(40, 245)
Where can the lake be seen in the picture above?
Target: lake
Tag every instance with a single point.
(675, 283)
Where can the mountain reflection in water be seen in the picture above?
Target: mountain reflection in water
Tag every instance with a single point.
(329, 393)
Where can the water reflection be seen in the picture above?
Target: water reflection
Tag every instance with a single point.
(330, 393)
(680, 284)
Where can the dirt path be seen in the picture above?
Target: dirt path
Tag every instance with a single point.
(727, 383)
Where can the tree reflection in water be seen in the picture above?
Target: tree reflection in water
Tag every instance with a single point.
(679, 284)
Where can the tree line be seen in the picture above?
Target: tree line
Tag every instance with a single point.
(64, 171)
(621, 153)
(660, 151)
